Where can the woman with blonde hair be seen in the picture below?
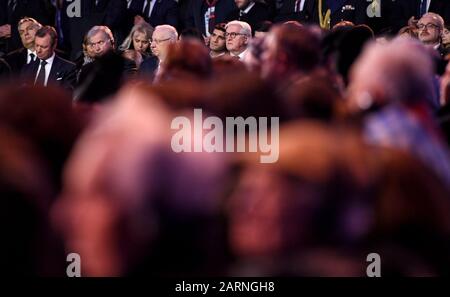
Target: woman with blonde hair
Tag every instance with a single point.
(137, 43)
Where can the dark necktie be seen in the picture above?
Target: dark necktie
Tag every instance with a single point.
(422, 8)
(40, 80)
(31, 58)
(147, 9)
(12, 4)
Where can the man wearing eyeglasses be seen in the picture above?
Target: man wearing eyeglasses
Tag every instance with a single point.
(237, 36)
(430, 28)
(162, 37)
(403, 10)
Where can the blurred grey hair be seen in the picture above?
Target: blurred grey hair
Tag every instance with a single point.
(145, 28)
(96, 29)
(36, 24)
(172, 31)
(245, 27)
(403, 68)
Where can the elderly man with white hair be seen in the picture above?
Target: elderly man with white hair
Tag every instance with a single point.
(237, 36)
(162, 37)
(393, 85)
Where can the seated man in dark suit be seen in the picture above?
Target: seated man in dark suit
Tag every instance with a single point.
(251, 12)
(103, 76)
(430, 27)
(100, 41)
(25, 55)
(162, 37)
(154, 12)
(403, 10)
(110, 13)
(41, 10)
(49, 69)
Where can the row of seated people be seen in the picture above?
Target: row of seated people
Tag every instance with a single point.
(363, 166)
(73, 19)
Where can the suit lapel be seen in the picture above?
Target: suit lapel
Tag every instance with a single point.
(29, 71)
(23, 57)
(309, 6)
(137, 5)
(156, 6)
(436, 6)
(54, 70)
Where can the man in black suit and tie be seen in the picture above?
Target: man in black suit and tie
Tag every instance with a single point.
(162, 37)
(251, 12)
(49, 69)
(102, 77)
(41, 10)
(110, 13)
(154, 12)
(25, 55)
(403, 10)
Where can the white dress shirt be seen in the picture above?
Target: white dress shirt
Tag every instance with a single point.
(48, 68)
(29, 57)
(302, 5)
(249, 7)
(241, 55)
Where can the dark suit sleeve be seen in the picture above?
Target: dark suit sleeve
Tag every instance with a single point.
(129, 68)
(28, 72)
(148, 67)
(234, 15)
(172, 13)
(361, 12)
(3, 15)
(116, 13)
(5, 70)
(70, 78)
(190, 20)
(400, 15)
